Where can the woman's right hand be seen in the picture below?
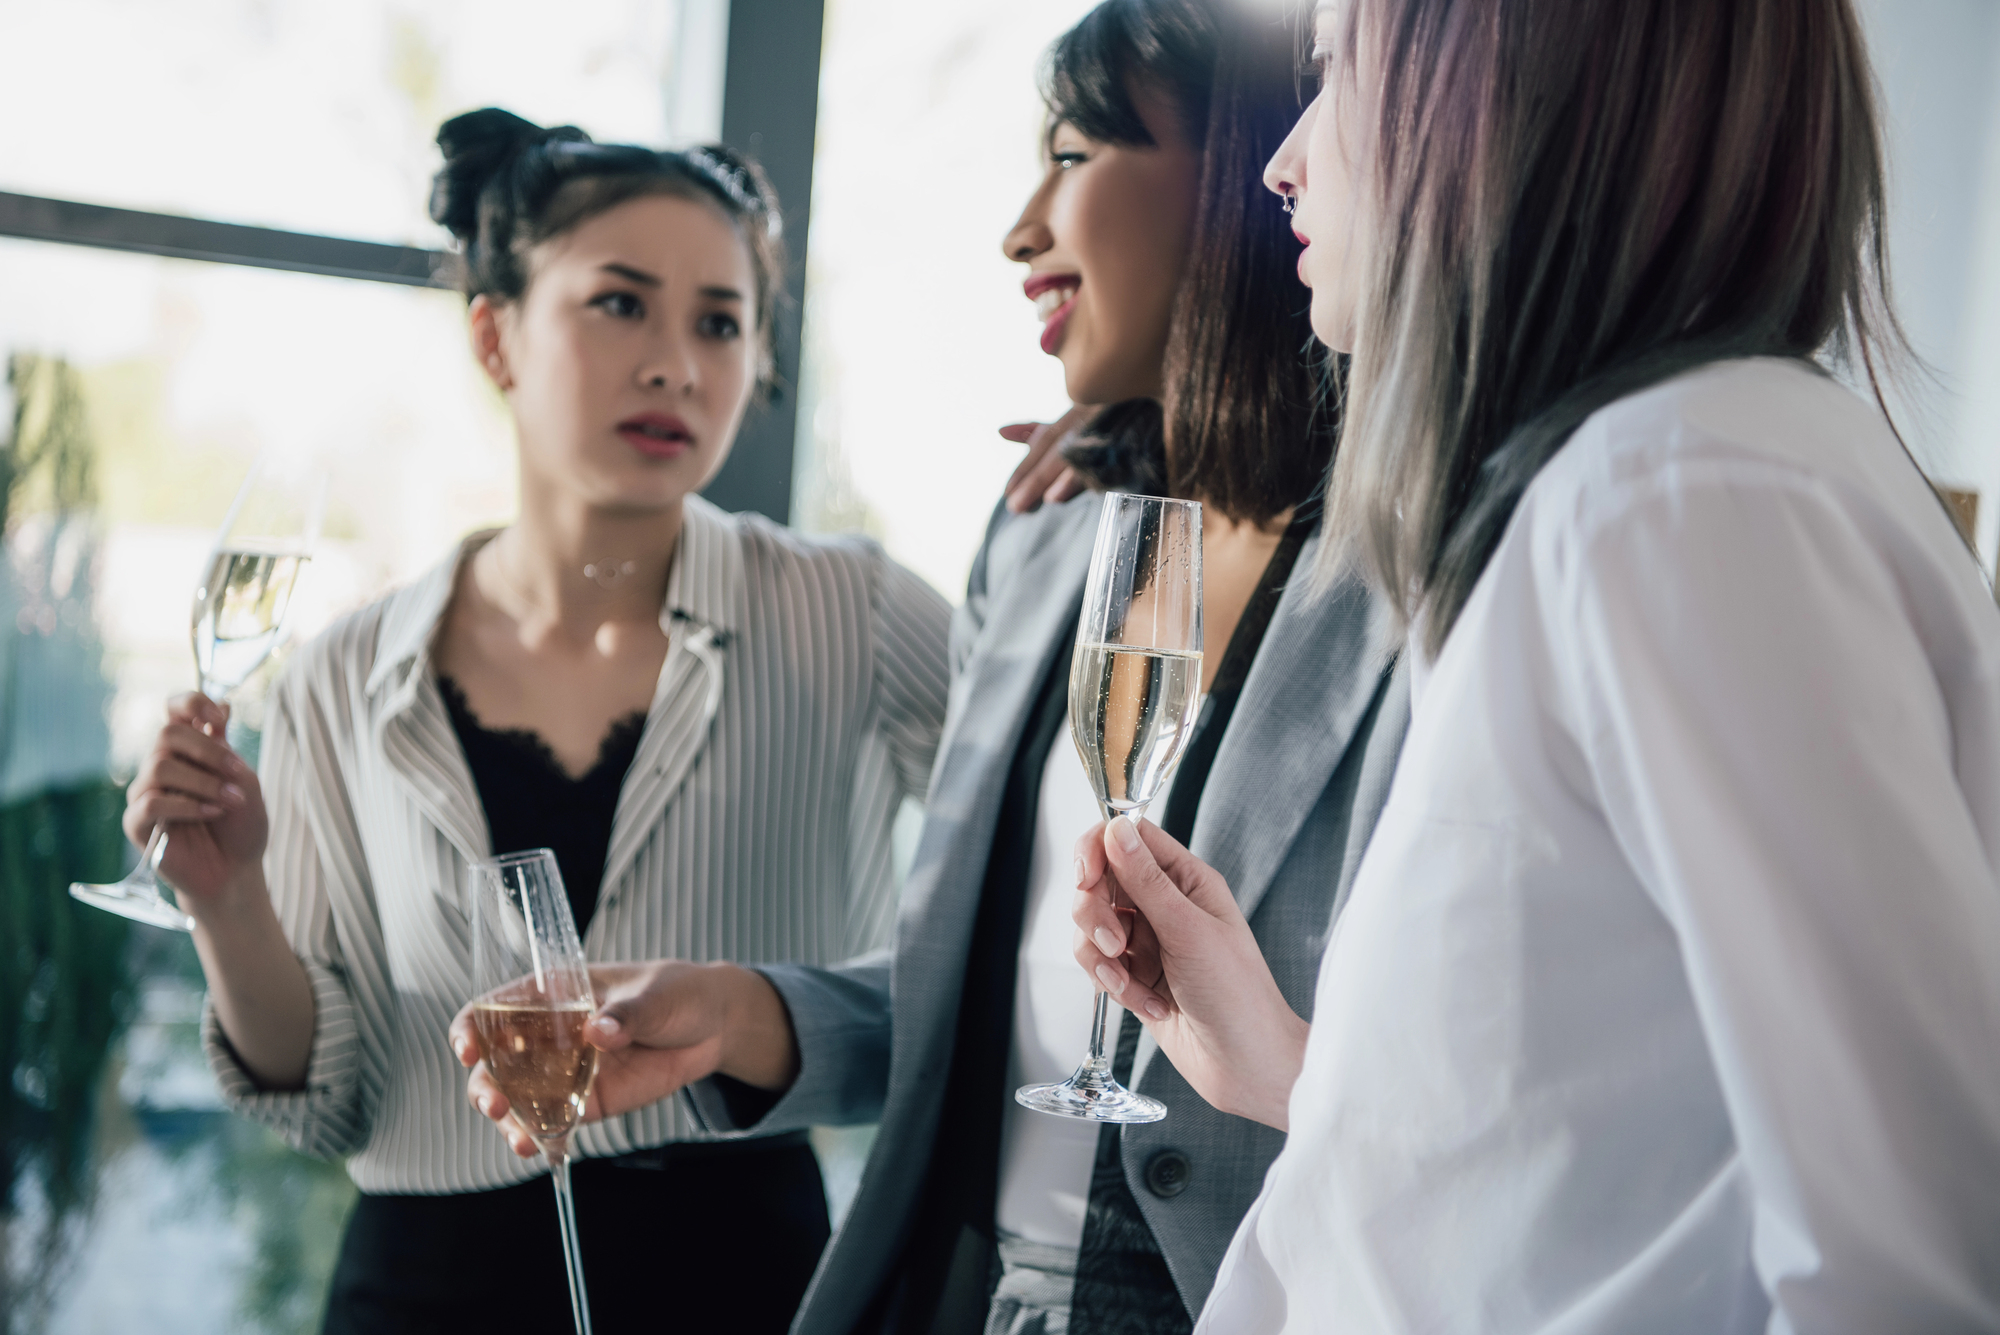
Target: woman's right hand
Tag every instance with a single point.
(1187, 963)
(659, 1026)
(192, 781)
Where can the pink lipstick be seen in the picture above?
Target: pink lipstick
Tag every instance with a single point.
(657, 435)
(1054, 295)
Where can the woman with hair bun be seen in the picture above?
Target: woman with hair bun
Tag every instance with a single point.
(711, 720)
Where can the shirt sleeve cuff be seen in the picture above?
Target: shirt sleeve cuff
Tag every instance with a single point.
(320, 1119)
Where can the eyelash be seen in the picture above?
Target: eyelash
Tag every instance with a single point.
(716, 324)
(610, 299)
(1068, 159)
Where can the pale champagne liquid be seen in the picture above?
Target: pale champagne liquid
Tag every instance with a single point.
(540, 1061)
(1131, 712)
(239, 613)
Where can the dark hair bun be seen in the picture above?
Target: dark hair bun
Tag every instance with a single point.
(478, 147)
(508, 185)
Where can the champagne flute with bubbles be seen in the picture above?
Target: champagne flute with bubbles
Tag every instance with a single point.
(241, 606)
(1134, 691)
(531, 1002)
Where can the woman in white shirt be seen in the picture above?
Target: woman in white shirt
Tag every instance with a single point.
(1668, 995)
(712, 721)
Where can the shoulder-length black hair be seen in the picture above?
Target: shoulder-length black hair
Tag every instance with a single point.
(1243, 426)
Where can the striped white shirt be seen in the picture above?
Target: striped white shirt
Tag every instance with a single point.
(800, 702)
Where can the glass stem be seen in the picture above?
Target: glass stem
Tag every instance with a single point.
(579, 1303)
(1097, 1024)
(148, 869)
(1099, 1019)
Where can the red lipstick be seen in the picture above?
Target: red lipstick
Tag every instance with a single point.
(657, 435)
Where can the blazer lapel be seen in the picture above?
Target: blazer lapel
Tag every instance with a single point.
(1316, 673)
(1320, 665)
(1025, 629)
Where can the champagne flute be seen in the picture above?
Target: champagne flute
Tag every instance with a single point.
(239, 616)
(1134, 691)
(532, 1001)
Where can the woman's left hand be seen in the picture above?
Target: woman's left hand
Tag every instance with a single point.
(1187, 964)
(1044, 475)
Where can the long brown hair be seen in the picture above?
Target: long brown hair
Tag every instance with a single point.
(1244, 426)
(1580, 199)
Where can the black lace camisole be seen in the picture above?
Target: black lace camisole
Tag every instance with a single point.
(531, 801)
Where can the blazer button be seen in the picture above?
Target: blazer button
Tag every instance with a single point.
(1167, 1174)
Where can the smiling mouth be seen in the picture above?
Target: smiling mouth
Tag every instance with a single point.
(1054, 296)
(1050, 300)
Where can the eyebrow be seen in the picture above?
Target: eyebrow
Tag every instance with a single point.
(644, 279)
(626, 271)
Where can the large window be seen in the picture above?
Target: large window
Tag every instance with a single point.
(128, 1199)
(317, 117)
(918, 340)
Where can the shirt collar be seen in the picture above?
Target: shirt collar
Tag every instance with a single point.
(705, 586)
(411, 614)
(703, 589)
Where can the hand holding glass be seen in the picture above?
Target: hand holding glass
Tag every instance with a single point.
(532, 998)
(1134, 691)
(238, 619)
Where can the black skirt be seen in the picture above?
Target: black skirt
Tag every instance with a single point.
(692, 1238)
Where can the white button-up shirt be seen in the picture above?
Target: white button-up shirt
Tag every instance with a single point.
(800, 702)
(1668, 998)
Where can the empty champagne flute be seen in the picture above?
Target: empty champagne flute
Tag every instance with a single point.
(1134, 692)
(239, 616)
(532, 1000)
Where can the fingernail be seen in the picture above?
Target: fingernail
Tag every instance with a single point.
(458, 1051)
(606, 1024)
(1155, 1011)
(232, 792)
(1107, 942)
(1079, 873)
(1109, 977)
(210, 809)
(485, 1107)
(1126, 833)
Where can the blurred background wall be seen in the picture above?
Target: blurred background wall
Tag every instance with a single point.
(904, 136)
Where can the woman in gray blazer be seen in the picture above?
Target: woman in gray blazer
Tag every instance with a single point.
(1165, 276)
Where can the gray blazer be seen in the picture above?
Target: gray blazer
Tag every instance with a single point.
(1295, 790)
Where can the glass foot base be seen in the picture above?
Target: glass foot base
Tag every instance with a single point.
(1088, 1099)
(141, 903)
